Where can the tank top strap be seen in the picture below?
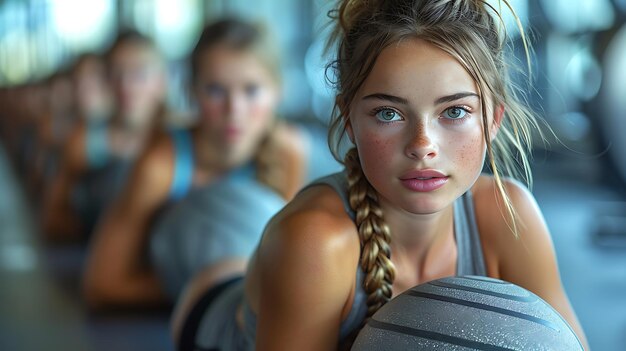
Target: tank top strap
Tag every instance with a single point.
(470, 259)
(183, 164)
(358, 310)
(339, 182)
(97, 145)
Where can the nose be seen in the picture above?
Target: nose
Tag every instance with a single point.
(235, 107)
(421, 145)
(124, 85)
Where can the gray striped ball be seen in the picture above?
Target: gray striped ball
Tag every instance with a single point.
(467, 313)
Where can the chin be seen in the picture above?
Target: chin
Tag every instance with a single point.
(234, 158)
(426, 203)
(424, 208)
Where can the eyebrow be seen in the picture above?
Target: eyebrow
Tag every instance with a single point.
(390, 98)
(400, 100)
(454, 97)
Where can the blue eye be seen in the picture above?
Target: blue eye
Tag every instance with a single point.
(388, 115)
(214, 90)
(454, 113)
(252, 90)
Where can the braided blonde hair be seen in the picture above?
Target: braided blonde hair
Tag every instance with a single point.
(472, 32)
(374, 235)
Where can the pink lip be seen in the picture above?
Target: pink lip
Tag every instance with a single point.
(414, 180)
(423, 173)
(232, 133)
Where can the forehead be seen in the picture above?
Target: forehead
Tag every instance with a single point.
(225, 63)
(416, 69)
(132, 54)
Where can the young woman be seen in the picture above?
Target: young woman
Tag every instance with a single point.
(237, 136)
(91, 92)
(54, 126)
(78, 97)
(97, 155)
(424, 96)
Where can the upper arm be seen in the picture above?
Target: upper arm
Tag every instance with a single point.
(529, 260)
(74, 153)
(73, 161)
(147, 186)
(58, 217)
(123, 228)
(305, 281)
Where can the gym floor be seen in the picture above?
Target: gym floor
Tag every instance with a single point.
(40, 308)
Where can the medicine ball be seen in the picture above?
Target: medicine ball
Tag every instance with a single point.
(222, 221)
(467, 313)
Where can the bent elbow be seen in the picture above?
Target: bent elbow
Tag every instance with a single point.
(99, 292)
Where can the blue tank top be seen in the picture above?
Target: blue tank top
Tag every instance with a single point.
(184, 238)
(183, 164)
(104, 178)
(97, 144)
(470, 260)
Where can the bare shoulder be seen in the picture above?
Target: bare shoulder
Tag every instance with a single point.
(315, 220)
(152, 174)
(506, 238)
(514, 250)
(312, 236)
(522, 253)
(305, 273)
(158, 156)
(492, 212)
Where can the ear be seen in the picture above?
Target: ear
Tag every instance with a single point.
(497, 121)
(344, 113)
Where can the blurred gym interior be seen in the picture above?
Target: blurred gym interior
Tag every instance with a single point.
(579, 75)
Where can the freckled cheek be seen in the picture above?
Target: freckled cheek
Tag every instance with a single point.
(376, 154)
(470, 153)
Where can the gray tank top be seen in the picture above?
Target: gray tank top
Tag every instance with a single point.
(470, 259)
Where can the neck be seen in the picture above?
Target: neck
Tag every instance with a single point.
(127, 139)
(136, 119)
(422, 245)
(208, 164)
(96, 113)
(417, 237)
(410, 230)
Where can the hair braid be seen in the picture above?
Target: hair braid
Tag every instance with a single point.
(374, 235)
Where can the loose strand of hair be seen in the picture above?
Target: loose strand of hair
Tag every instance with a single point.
(520, 27)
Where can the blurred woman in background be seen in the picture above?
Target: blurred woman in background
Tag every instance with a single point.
(54, 124)
(231, 172)
(78, 97)
(93, 100)
(97, 155)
